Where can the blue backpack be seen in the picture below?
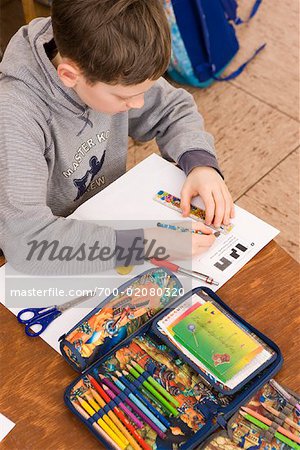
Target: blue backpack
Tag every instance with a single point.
(204, 40)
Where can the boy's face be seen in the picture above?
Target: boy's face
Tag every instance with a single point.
(112, 99)
(102, 97)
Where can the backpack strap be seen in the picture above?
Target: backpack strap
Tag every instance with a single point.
(238, 71)
(230, 9)
(206, 38)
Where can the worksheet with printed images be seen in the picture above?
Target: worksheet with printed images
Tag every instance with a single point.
(129, 203)
(230, 252)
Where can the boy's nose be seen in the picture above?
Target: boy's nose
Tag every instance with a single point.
(135, 102)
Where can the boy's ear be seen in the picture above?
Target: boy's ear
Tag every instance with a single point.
(68, 74)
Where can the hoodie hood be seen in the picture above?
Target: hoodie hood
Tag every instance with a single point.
(26, 60)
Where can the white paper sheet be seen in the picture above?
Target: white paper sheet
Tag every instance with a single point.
(6, 425)
(131, 197)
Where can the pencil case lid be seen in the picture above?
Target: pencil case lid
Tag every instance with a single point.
(206, 295)
(120, 315)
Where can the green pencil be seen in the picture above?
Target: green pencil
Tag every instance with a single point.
(154, 383)
(153, 391)
(263, 426)
(148, 395)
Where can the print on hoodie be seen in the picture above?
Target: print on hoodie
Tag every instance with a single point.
(83, 183)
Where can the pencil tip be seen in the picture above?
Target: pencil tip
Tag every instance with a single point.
(118, 373)
(125, 372)
(101, 376)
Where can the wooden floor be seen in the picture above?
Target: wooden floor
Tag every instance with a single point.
(254, 119)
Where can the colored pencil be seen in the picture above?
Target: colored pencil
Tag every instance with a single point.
(149, 395)
(132, 430)
(267, 421)
(107, 417)
(97, 427)
(154, 383)
(120, 394)
(135, 391)
(285, 394)
(115, 396)
(116, 409)
(263, 426)
(97, 397)
(131, 436)
(117, 422)
(127, 411)
(178, 228)
(102, 424)
(139, 404)
(278, 414)
(153, 391)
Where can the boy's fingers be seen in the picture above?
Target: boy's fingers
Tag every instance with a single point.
(220, 208)
(199, 226)
(232, 211)
(207, 241)
(209, 207)
(186, 197)
(202, 244)
(228, 206)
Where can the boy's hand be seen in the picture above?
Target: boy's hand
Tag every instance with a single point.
(178, 245)
(208, 183)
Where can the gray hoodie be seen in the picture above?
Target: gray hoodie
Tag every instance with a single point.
(56, 153)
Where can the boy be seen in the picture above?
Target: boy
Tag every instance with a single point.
(72, 89)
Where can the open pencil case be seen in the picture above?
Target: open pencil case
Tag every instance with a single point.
(240, 433)
(125, 330)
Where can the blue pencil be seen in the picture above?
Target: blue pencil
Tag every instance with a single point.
(178, 228)
(134, 388)
(138, 403)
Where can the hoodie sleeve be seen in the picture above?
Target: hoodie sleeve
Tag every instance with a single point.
(170, 116)
(25, 217)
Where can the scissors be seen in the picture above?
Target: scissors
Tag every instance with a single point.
(42, 317)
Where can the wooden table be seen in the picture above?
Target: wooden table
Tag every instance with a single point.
(33, 376)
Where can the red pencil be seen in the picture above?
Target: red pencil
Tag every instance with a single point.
(119, 414)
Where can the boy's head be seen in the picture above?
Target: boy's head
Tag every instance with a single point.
(111, 51)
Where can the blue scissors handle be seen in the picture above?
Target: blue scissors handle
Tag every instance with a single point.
(40, 316)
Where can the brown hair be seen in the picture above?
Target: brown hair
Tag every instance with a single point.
(114, 41)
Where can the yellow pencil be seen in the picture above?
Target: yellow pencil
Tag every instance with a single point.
(106, 417)
(102, 424)
(113, 417)
(97, 427)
